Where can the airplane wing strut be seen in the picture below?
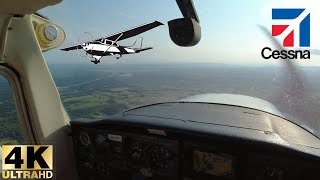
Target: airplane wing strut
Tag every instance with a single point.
(114, 42)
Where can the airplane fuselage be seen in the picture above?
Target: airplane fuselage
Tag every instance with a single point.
(98, 49)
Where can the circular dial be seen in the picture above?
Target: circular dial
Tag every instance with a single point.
(50, 32)
(136, 153)
(161, 158)
(84, 138)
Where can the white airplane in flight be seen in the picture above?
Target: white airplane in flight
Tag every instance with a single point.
(108, 46)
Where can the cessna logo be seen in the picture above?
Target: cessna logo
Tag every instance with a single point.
(297, 26)
(27, 161)
(268, 53)
(292, 26)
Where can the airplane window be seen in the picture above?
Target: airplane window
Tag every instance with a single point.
(103, 82)
(108, 42)
(10, 130)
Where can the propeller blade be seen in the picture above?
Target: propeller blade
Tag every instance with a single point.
(293, 100)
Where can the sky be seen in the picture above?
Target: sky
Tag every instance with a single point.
(229, 29)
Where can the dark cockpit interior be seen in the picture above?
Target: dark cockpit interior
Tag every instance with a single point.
(194, 141)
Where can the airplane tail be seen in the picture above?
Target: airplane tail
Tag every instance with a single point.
(143, 49)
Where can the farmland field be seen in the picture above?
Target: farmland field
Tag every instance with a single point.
(99, 91)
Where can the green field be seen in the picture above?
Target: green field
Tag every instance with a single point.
(10, 131)
(105, 90)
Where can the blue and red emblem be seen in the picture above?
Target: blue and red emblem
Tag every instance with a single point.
(304, 27)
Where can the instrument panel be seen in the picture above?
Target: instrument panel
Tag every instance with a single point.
(103, 153)
(194, 141)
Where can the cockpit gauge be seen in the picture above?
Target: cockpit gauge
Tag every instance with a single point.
(136, 153)
(161, 158)
(84, 138)
(50, 32)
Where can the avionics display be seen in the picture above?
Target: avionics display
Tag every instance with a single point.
(212, 164)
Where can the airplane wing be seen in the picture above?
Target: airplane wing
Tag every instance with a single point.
(143, 49)
(72, 48)
(132, 32)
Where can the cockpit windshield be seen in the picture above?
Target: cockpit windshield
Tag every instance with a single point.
(262, 49)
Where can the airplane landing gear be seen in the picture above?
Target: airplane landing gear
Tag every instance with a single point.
(117, 56)
(96, 61)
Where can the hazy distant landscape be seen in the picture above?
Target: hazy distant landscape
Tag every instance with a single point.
(101, 91)
(98, 91)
